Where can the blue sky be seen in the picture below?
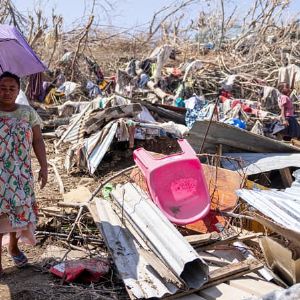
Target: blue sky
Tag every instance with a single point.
(126, 13)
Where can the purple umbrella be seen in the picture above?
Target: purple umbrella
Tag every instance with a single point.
(16, 56)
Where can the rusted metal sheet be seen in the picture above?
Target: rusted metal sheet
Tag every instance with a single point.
(74, 131)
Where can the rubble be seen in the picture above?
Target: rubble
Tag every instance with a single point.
(223, 101)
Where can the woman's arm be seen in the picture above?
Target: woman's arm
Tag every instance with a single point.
(40, 152)
(282, 116)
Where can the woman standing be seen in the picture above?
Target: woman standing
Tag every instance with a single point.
(287, 114)
(20, 131)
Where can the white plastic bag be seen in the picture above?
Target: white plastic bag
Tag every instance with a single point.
(22, 99)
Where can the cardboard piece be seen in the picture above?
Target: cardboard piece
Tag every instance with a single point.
(281, 260)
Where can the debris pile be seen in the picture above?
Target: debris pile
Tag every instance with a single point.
(216, 218)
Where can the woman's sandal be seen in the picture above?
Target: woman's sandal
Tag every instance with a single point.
(20, 260)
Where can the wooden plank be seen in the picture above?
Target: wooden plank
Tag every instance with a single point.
(57, 175)
(224, 274)
(222, 185)
(198, 239)
(256, 287)
(229, 254)
(212, 259)
(157, 91)
(224, 292)
(229, 270)
(286, 177)
(191, 297)
(296, 143)
(229, 240)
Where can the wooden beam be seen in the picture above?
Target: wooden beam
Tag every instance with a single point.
(224, 274)
(229, 240)
(58, 178)
(199, 239)
(157, 91)
(286, 176)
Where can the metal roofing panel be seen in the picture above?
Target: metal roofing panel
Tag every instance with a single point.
(255, 163)
(74, 129)
(140, 278)
(281, 206)
(161, 235)
(231, 137)
(99, 150)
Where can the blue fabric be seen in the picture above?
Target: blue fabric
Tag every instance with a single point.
(237, 123)
(143, 80)
(192, 115)
(179, 102)
(93, 89)
(293, 129)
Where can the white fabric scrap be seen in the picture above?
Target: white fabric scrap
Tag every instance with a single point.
(22, 99)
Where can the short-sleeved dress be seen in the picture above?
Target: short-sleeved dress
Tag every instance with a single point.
(18, 209)
(293, 128)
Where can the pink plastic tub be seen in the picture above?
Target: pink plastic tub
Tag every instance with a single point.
(176, 183)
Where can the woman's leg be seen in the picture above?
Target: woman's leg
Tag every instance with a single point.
(1, 252)
(18, 256)
(13, 244)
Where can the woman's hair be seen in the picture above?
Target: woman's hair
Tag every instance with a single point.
(10, 75)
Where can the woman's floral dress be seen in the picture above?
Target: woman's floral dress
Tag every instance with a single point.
(17, 200)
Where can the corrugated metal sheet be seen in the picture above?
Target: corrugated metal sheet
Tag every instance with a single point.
(283, 207)
(139, 276)
(233, 138)
(255, 163)
(74, 132)
(96, 149)
(160, 235)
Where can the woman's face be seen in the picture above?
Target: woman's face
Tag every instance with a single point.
(9, 90)
(286, 90)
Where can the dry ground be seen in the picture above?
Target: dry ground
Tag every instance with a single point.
(34, 281)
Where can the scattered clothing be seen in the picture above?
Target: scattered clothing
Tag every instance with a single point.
(161, 54)
(22, 99)
(93, 90)
(236, 123)
(144, 78)
(286, 74)
(194, 106)
(35, 89)
(269, 100)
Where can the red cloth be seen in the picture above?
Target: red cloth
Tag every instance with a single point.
(85, 270)
(246, 108)
(225, 95)
(176, 72)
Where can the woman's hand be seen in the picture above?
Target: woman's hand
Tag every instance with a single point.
(43, 177)
(285, 123)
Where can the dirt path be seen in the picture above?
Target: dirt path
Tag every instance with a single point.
(34, 282)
